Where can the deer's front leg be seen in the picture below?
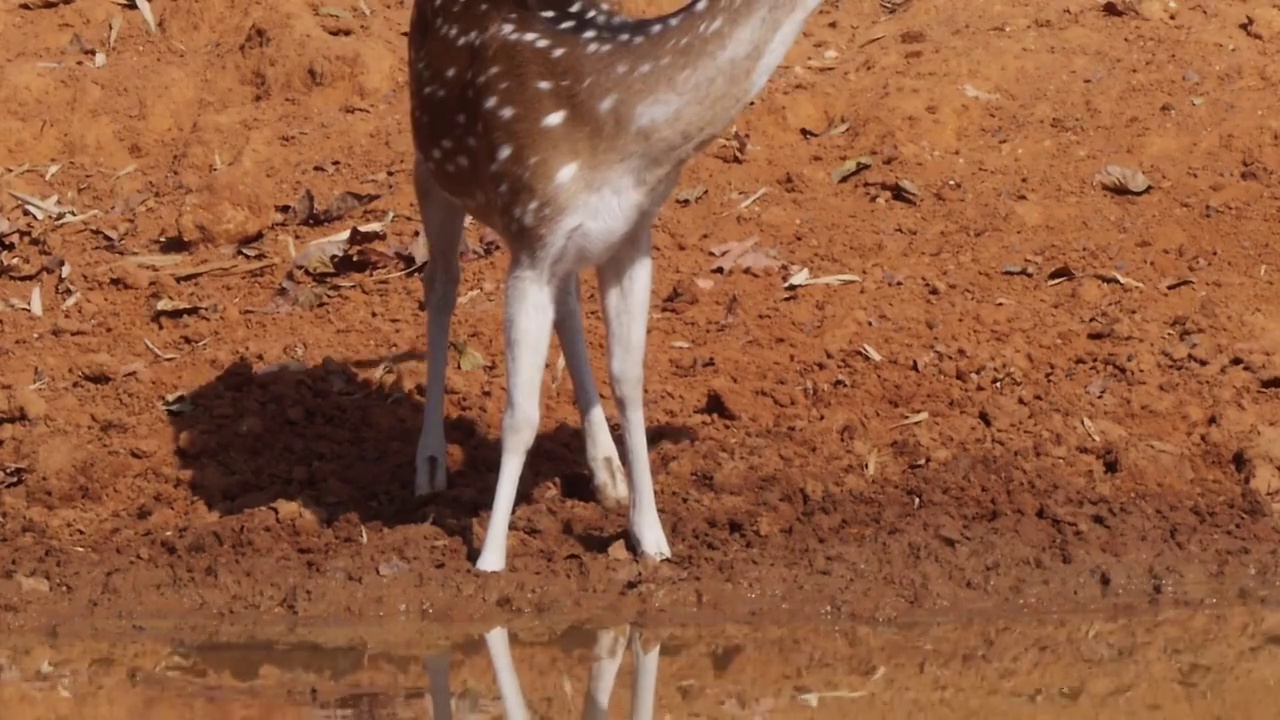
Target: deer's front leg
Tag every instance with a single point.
(625, 281)
(529, 317)
(608, 477)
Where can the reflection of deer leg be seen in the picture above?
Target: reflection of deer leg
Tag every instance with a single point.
(438, 675)
(605, 661)
(504, 671)
(645, 687)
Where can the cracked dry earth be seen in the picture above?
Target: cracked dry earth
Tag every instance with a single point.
(1040, 394)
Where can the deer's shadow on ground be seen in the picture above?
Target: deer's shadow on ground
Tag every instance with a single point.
(326, 437)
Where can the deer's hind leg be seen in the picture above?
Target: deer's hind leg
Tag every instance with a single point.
(442, 220)
(608, 476)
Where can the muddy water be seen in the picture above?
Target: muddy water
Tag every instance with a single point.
(1153, 664)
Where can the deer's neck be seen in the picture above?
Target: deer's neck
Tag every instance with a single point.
(702, 65)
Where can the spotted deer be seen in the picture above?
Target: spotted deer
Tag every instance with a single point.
(563, 126)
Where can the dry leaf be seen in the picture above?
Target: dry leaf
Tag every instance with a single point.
(811, 699)
(690, 196)
(1123, 180)
(871, 353)
(302, 209)
(977, 94)
(468, 358)
(1090, 428)
(915, 419)
(728, 253)
(343, 204)
(177, 404)
(318, 255)
(157, 351)
(1115, 277)
(838, 128)
(1175, 283)
(42, 4)
(1061, 274)
(802, 278)
(177, 308)
(850, 168)
(906, 191)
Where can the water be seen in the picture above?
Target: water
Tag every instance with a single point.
(1155, 664)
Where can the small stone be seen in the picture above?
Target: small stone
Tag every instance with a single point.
(32, 584)
(98, 367)
(618, 551)
(394, 566)
(32, 405)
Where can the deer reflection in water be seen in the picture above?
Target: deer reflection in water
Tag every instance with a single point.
(607, 657)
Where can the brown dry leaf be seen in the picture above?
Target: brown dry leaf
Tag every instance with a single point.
(728, 253)
(684, 198)
(1061, 274)
(1123, 180)
(42, 4)
(177, 404)
(302, 209)
(1120, 8)
(345, 203)
(1117, 278)
(220, 267)
(1091, 429)
(838, 128)
(317, 256)
(169, 307)
(850, 168)
(803, 278)
(914, 419)
(755, 262)
(1175, 283)
(468, 358)
(292, 294)
(12, 476)
(334, 12)
(906, 191)
(158, 352)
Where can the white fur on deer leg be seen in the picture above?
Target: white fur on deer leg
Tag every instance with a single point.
(611, 646)
(504, 671)
(625, 281)
(644, 689)
(609, 479)
(528, 322)
(442, 222)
